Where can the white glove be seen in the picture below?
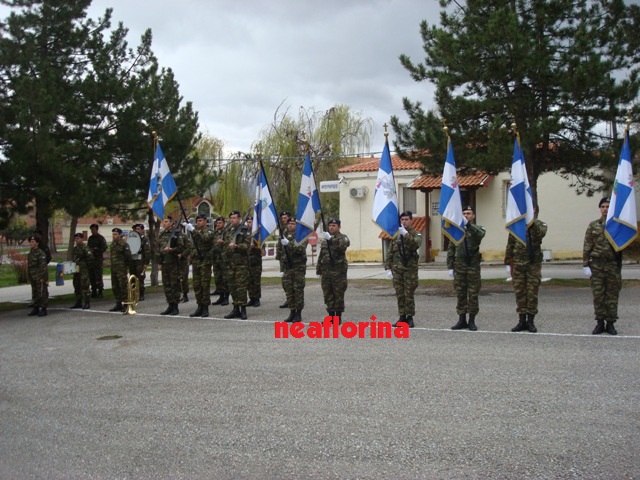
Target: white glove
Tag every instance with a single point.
(587, 272)
(508, 271)
(188, 226)
(402, 230)
(389, 274)
(326, 235)
(284, 241)
(451, 273)
(281, 274)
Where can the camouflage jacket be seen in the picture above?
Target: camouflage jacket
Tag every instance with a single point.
(597, 246)
(468, 251)
(338, 246)
(120, 255)
(521, 254)
(217, 251)
(403, 250)
(37, 266)
(82, 256)
(203, 240)
(175, 241)
(97, 244)
(239, 254)
(255, 253)
(294, 254)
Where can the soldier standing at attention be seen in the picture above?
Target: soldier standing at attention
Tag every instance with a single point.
(140, 261)
(255, 268)
(236, 247)
(332, 267)
(604, 266)
(219, 268)
(284, 221)
(98, 245)
(171, 245)
(38, 275)
(201, 259)
(120, 261)
(463, 262)
(524, 264)
(185, 259)
(402, 265)
(81, 285)
(295, 265)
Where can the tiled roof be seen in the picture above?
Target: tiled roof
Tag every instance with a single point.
(373, 164)
(431, 181)
(419, 224)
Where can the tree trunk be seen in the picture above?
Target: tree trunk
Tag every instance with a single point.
(43, 213)
(72, 232)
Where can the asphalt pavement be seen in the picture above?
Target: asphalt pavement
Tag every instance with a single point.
(99, 395)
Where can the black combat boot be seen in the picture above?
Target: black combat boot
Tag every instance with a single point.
(225, 299)
(235, 313)
(530, 325)
(610, 329)
(198, 312)
(99, 294)
(599, 327)
(298, 316)
(409, 321)
(34, 311)
(185, 298)
(141, 296)
(87, 304)
(254, 303)
(243, 312)
(462, 322)
(43, 312)
(285, 305)
(205, 311)
(94, 293)
(339, 315)
(117, 308)
(472, 322)
(402, 319)
(250, 302)
(174, 310)
(168, 310)
(292, 314)
(219, 300)
(78, 303)
(522, 323)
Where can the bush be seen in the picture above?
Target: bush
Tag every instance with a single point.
(19, 263)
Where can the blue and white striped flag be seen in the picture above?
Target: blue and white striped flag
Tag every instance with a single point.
(385, 200)
(621, 227)
(308, 202)
(265, 218)
(519, 213)
(450, 209)
(162, 187)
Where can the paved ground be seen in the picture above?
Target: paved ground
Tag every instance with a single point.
(174, 397)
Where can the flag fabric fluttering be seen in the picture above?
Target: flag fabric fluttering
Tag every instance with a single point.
(385, 200)
(162, 187)
(450, 209)
(308, 202)
(265, 218)
(621, 227)
(519, 214)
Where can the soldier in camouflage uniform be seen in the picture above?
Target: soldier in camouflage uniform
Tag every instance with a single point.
(185, 260)
(524, 264)
(141, 260)
(604, 265)
(81, 285)
(170, 246)
(295, 269)
(201, 259)
(38, 275)
(236, 248)
(219, 267)
(120, 261)
(284, 220)
(98, 245)
(463, 262)
(255, 269)
(332, 267)
(401, 264)
(42, 242)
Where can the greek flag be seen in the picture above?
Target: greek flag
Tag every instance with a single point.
(450, 209)
(621, 227)
(385, 200)
(308, 202)
(162, 187)
(265, 218)
(519, 198)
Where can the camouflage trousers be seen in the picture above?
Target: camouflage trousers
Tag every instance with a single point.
(184, 276)
(293, 282)
(467, 284)
(40, 293)
(201, 281)
(219, 272)
(334, 285)
(95, 274)
(526, 282)
(136, 268)
(119, 283)
(255, 278)
(171, 282)
(405, 282)
(606, 283)
(237, 276)
(81, 284)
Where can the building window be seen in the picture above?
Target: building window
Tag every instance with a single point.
(204, 208)
(409, 201)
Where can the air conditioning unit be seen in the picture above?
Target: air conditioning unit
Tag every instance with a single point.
(358, 192)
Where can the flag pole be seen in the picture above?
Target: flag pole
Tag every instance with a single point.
(266, 181)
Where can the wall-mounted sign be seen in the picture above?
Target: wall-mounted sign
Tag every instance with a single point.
(329, 186)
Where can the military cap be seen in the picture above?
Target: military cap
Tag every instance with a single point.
(93, 225)
(117, 230)
(234, 212)
(220, 219)
(202, 215)
(468, 207)
(604, 200)
(334, 220)
(291, 219)
(285, 212)
(78, 235)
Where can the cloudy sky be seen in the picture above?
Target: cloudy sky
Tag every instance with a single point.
(238, 60)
